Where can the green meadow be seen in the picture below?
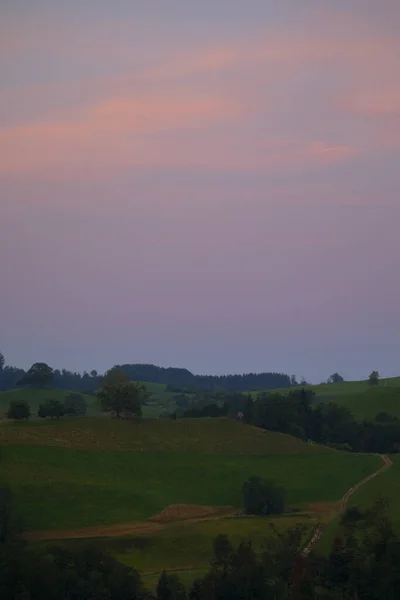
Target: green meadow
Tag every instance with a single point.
(199, 461)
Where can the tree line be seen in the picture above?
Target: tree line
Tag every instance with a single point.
(363, 562)
(327, 423)
(176, 378)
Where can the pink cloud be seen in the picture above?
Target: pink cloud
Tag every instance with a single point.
(119, 120)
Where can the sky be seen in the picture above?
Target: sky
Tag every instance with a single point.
(212, 185)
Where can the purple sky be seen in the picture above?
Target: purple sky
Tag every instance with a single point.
(211, 185)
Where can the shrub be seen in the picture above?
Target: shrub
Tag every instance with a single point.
(52, 409)
(18, 409)
(75, 404)
(262, 497)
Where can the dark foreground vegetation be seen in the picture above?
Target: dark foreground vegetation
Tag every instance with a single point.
(363, 564)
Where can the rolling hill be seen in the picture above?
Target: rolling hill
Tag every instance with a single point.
(369, 403)
(332, 391)
(87, 471)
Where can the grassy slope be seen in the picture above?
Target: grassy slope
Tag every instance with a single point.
(335, 390)
(186, 547)
(213, 436)
(34, 397)
(387, 485)
(359, 397)
(369, 403)
(194, 462)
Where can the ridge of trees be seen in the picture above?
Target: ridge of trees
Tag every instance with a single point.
(327, 423)
(41, 375)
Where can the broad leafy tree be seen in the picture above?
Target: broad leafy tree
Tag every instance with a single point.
(262, 497)
(114, 376)
(373, 379)
(120, 396)
(52, 409)
(75, 405)
(39, 375)
(335, 378)
(2, 361)
(19, 410)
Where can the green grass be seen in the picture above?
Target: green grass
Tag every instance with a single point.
(60, 488)
(213, 436)
(346, 388)
(369, 403)
(34, 397)
(186, 548)
(364, 401)
(189, 545)
(387, 484)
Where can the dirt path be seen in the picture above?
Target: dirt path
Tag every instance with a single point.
(152, 525)
(387, 463)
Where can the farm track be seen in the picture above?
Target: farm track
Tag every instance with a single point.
(121, 530)
(387, 463)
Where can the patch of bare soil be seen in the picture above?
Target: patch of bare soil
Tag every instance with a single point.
(175, 512)
(322, 508)
(181, 512)
(120, 530)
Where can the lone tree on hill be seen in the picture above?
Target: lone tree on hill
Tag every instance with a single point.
(52, 409)
(2, 361)
(262, 497)
(19, 410)
(335, 378)
(120, 396)
(39, 375)
(374, 378)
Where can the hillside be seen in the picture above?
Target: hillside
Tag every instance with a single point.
(332, 391)
(34, 397)
(370, 402)
(387, 486)
(209, 436)
(84, 472)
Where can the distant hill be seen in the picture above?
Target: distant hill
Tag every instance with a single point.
(184, 379)
(364, 401)
(172, 376)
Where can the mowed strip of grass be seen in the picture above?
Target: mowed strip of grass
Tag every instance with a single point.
(212, 436)
(58, 488)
